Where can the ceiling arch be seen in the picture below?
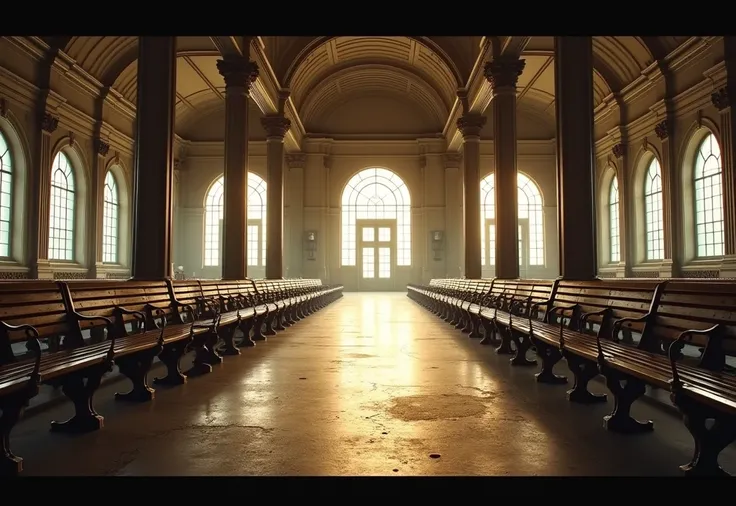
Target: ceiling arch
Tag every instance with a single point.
(372, 79)
(416, 65)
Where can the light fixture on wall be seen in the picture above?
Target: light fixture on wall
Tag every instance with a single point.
(437, 237)
(310, 243)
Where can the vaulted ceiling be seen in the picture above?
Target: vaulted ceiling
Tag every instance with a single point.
(324, 72)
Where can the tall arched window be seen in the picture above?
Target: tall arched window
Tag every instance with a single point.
(376, 194)
(653, 211)
(110, 221)
(708, 199)
(614, 229)
(531, 225)
(61, 219)
(256, 215)
(6, 196)
(256, 220)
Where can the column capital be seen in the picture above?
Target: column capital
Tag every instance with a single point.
(296, 160)
(101, 147)
(470, 125)
(721, 98)
(240, 72)
(49, 123)
(662, 130)
(276, 125)
(504, 71)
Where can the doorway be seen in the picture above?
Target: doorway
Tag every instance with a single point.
(376, 254)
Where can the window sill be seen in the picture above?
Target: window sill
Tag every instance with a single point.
(9, 265)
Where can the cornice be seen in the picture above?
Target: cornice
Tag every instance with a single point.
(17, 90)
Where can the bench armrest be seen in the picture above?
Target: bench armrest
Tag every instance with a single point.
(627, 319)
(138, 314)
(585, 316)
(32, 344)
(713, 357)
(563, 309)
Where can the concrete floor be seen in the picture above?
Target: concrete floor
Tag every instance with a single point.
(371, 385)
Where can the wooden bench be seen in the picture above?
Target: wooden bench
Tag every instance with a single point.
(148, 323)
(512, 303)
(568, 328)
(38, 310)
(698, 318)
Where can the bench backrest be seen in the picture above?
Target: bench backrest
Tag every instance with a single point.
(621, 298)
(101, 297)
(40, 304)
(689, 305)
(188, 291)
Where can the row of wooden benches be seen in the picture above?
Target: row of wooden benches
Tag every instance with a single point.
(671, 334)
(88, 326)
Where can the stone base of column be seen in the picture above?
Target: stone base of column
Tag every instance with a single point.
(42, 270)
(667, 269)
(728, 267)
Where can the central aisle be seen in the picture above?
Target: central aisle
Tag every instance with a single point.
(371, 385)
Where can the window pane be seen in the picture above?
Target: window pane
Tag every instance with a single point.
(529, 208)
(384, 262)
(214, 214)
(613, 210)
(708, 199)
(369, 263)
(61, 212)
(654, 218)
(369, 234)
(6, 196)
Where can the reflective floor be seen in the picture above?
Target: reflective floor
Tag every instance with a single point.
(371, 385)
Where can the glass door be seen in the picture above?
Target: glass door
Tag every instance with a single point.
(376, 254)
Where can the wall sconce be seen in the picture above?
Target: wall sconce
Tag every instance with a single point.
(437, 237)
(310, 243)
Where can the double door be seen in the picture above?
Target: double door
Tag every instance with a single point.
(376, 254)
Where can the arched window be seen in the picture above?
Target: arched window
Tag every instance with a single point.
(256, 214)
(110, 215)
(256, 221)
(531, 225)
(708, 199)
(61, 219)
(653, 211)
(614, 229)
(6, 196)
(376, 194)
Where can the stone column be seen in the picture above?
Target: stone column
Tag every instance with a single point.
(276, 127)
(722, 100)
(503, 73)
(575, 177)
(470, 126)
(154, 157)
(670, 202)
(239, 74)
(98, 210)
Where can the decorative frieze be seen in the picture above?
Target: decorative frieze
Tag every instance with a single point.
(721, 99)
(102, 147)
(49, 123)
(618, 150)
(452, 160)
(662, 130)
